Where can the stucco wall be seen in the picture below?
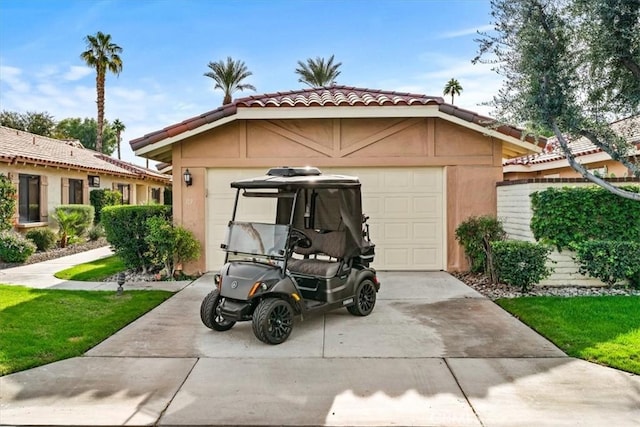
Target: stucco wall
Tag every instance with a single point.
(471, 159)
(514, 210)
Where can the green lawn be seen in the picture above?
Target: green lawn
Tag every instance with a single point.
(39, 326)
(93, 271)
(604, 330)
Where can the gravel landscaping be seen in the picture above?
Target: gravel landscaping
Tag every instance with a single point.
(58, 253)
(481, 284)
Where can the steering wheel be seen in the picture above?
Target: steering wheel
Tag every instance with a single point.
(298, 238)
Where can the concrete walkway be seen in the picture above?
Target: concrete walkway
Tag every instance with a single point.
(433, 352)
(41, 275)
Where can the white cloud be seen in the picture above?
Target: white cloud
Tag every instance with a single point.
(76, 72)
(11, 76)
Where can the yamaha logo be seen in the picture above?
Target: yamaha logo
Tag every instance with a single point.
(234, 284)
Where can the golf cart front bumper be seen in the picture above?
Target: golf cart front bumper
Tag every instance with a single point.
(236, 310)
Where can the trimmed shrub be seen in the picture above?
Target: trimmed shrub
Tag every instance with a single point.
(14, 247)
(44, 238)
(99, 199)
(170, 245)
(610, 261)
(73, 221)
(574, 215)
(7, 203)
(126, 228)
(475, 234)
(520, 263)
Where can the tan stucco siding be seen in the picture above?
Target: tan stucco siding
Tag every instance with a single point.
(472, 160)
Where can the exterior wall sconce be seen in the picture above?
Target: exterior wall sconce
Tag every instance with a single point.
(188, 179)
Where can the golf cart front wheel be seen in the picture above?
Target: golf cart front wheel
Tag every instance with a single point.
(273, 320)
(210, 313)
(365, 299)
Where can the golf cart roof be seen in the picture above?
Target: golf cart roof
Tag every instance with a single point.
(297, 177)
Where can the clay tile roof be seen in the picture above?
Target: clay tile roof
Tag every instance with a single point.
(629, 127)
(329, 96)
(24, 147)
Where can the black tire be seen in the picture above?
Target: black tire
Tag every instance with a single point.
(273, 320)
(209, 313)
(365, 299)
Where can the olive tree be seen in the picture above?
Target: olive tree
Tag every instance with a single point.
(570, 67)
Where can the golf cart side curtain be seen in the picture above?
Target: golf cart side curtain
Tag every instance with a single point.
(327, 210)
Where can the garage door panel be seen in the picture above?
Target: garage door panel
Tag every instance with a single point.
(405, 205)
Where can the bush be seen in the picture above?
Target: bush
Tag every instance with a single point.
(610, 261)
(95, 232)
(44, 238)
(14, 247)
(520, 263)
(574, 215)
(126, 228)
(7, 203)
(475, 234)
(102, 198)
(170, 245)
(73, 221)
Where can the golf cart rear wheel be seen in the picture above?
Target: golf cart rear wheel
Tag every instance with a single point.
(210, 313)
(273, 320)
(365, 299)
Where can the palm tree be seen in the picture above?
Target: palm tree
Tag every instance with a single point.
(317, 72)
(103, 55)
(452, 88)
(118, 127)
(229, 76)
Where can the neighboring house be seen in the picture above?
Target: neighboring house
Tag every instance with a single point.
(552, 163)
(425, 166)
(49, 172)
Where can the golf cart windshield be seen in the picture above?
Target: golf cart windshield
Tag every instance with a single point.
(257, 239)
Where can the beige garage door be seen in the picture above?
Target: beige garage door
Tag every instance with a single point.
(406, 206)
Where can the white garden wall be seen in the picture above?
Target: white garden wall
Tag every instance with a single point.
(514, 210)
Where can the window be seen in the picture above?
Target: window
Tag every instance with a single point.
(155, 195)
(75, 191)
(29, 195)
(94, 181)
(124, 190)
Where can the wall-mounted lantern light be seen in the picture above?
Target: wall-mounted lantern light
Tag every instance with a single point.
(188, 179)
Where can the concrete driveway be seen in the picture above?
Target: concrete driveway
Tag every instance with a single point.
(433, 352)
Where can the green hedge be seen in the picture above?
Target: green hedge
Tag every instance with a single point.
(7, 203)
(610, 261)
(126, 229)
(574, 215)
(102, 198)
(520, 263)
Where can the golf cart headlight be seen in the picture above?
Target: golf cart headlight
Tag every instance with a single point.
(217, 279)
(259, 287)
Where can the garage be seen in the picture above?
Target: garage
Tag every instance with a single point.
(405, 205)
(425, 165)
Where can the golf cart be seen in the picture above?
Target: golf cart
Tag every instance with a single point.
(314, 257)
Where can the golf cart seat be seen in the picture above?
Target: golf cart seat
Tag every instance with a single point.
(329, 244)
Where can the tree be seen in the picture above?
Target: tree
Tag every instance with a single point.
(31, 121)
(452, 88)
(571, 67)
(318, 72)
(118, 127)
(86, 131)
(229, 76)
(103, 55)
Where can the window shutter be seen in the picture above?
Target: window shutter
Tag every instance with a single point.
(44, 198)
(64, 199)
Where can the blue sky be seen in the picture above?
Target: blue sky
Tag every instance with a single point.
(402, 45)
